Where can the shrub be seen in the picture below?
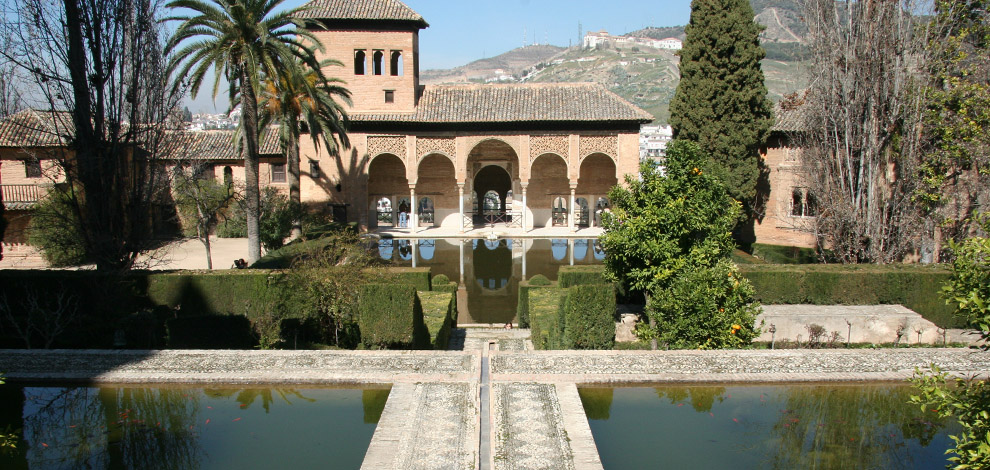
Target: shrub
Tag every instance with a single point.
(274, 223)
(438, 316)
(569, 276)
(416, 277)
(209, 332)
(522, 305)
(55, 230)
(440, 279)
(391, 317)
(708, 308)
(545, 306)
(589, 314)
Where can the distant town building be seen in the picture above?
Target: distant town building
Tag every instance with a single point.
(653, 140)
(596, 39)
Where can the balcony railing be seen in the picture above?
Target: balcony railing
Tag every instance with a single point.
(21, 194)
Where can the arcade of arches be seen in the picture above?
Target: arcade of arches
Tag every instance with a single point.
(467, 181)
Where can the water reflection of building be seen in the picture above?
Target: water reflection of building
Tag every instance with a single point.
(488, 272)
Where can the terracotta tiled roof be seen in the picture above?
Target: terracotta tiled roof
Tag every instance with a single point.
(542, 102)
(212, 145)
(377, 10)
(789, 114)
(33, 128)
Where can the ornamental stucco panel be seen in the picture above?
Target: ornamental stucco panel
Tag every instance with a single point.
(541, 144)
(428, 145)
(607, 144)
(396, 145)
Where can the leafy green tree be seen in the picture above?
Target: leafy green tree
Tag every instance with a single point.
(305, 101)
(202, 200)
(56, 230)
(967, 400)
(243, 41)
(721, 101)
(955, 172)
(275, 220)
(669, 236)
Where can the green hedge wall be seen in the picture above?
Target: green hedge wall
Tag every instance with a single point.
(417, 277)
(545, 307)
(914, 286)
(246, 292)
(391, 317)
(589, 317)
(210, 332)
(522, 305)
(438, 316)
(569, 276)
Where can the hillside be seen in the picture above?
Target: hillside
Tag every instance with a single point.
(513, 62)
(643, 75)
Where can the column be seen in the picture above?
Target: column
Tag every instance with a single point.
(414, 223)
(570, 246)
(570, 218)
(460, 207)
(460, 244)
(412, 246)
(525, 209)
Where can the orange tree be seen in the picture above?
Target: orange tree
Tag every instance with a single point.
(668, 235)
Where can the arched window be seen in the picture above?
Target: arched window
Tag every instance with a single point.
(377, 62)
(395, 64)
(559, 212)
(384, 209)
(228, 175)
(797, 203)
(493, 203)
(581, 217)
(425, 211)
(359, 60)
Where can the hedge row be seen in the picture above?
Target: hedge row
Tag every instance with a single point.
(391, 317)
(522, 305)
(916, 287)
(580, 317)
(569, 276)
(438, 316)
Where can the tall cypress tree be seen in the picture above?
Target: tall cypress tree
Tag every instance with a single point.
(721, 101)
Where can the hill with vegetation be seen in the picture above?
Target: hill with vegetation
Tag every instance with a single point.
(645, 76)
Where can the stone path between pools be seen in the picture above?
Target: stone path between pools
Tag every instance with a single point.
(494, 404)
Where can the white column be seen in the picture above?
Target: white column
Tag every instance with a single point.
(525, 209)
(460, 209)
(460, 244)
(570, 218)
(414, 223)
(412, 246)
(570, 246)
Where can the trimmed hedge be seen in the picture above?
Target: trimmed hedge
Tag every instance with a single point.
(569, 276)
(391, 317)
(417, 277)
(210, 332)
(522, 305)
(438, 316)
(589, 317)
(914, 286)
(246, 292)
(545, 308)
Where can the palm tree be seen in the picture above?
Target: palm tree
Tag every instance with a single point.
(241, 40)
(305, 103)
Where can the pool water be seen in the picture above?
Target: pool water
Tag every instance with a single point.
(863, 426)
(189, 427)
(489, 271)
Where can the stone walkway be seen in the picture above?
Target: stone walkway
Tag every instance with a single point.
(439, 414)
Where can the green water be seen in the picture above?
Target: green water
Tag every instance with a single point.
(189, 428)
(489, 271)
(863, 426)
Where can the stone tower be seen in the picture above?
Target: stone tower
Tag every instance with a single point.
(378, 43)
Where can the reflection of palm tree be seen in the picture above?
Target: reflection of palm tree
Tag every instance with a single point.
(247, 396)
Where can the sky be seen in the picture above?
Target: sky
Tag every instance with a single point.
(462, 31)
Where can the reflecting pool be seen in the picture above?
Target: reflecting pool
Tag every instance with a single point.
(489, 271)
(189, 428)
(863, 426)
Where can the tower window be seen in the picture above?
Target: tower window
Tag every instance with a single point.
(389, 96)
(278, 172)
(359, 59)
(378, 60)
(314, 169)
(32, 168)
(395, 65)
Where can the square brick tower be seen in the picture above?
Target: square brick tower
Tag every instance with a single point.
(378, 43)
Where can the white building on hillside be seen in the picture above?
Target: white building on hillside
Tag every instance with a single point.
(653, 140)
(673, 44)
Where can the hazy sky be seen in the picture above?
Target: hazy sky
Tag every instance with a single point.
(465, 30)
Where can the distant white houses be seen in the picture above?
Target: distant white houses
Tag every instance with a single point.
(653, 140)
(594, 39)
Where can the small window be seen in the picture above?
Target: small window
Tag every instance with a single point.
(359, 59)
(797, 203)
(32, 168)
(314, 169)
(278, 172)
(389, 96)
(378, 59)
(228, 175)
(395, 64)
